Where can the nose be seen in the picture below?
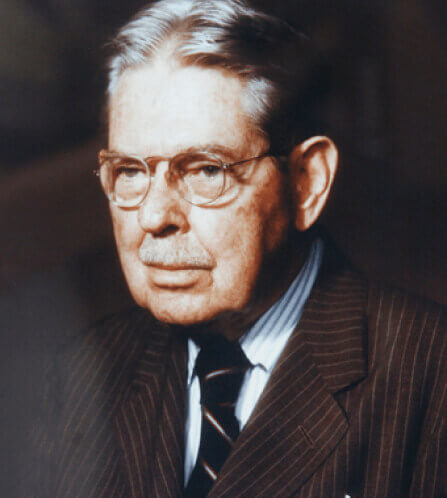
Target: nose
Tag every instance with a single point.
(163, 211)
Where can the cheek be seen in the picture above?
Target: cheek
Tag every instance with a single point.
(265, 219)
(128, 237)
(127, 231)
(241, 238)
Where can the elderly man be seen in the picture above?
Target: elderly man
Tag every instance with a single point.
(258, 363)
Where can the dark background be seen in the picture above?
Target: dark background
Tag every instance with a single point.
(385, 66)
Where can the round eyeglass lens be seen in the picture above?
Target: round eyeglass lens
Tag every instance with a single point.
(200, 178)
(127, 180)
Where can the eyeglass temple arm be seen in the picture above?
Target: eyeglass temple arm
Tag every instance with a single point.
(230, 165)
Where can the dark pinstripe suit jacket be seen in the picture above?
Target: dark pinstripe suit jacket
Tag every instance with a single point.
(356, 405)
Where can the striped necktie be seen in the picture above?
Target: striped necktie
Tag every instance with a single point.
(220, 366)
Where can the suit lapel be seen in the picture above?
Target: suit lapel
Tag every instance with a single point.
(297, 423)
(150, 421)
(97, 368)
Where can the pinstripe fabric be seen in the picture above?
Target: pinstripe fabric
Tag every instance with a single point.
(356, 405)
(262, 344)
(105, 424)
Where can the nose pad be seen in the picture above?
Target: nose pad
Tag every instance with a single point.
(163, 210)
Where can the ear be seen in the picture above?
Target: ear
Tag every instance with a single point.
(313, 165)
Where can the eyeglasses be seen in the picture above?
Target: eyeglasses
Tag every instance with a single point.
(199, 177)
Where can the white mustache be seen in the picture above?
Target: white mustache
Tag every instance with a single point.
(183, 251)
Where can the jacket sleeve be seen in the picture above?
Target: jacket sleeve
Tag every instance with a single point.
(429, 478)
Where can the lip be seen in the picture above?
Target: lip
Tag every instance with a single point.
(178, 267)
(176, 277)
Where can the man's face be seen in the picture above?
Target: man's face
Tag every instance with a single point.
(187, 264)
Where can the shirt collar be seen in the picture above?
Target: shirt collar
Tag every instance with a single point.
(265, 340)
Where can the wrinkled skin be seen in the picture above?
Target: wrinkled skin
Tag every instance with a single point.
(161, 109)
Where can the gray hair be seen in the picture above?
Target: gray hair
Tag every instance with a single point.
(272, 58)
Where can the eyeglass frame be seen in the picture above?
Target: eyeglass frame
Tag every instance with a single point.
(157, 159)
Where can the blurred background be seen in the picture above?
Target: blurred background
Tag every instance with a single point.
(385, 67)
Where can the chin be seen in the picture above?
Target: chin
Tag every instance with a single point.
(173, 316)
(178, 309)
(184, 309)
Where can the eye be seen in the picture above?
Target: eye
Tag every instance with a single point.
(128, 171)
(199, 168)
(209, 170)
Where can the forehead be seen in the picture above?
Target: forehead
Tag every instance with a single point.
(163, 108)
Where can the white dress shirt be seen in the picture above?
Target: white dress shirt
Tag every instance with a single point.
(262, 344)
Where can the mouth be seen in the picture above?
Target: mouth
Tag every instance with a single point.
(174, 267)
(177, 276)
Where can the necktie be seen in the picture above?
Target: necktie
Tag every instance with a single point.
(220, 366)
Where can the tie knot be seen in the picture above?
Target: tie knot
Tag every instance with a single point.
(220, 366)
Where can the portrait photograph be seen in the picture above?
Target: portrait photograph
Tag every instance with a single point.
(223, 263)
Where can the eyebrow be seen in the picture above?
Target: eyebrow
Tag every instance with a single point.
(225, 152)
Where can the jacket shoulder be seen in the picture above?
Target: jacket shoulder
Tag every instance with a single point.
(395, 315)
(407, 338)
